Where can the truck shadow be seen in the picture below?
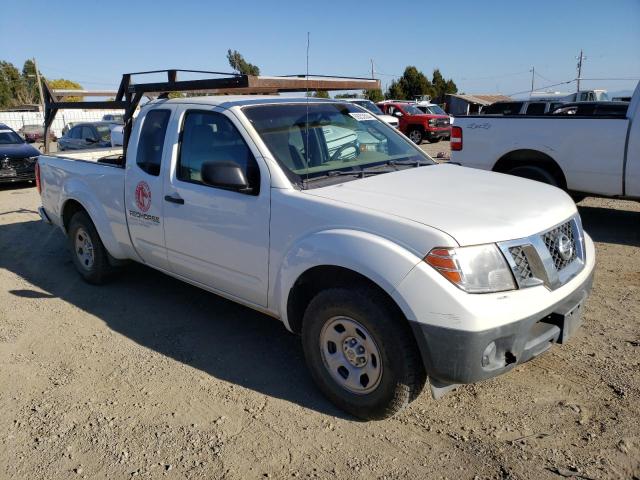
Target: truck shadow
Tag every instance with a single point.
(610, 225)
(223, 339)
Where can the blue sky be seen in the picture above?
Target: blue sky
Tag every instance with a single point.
(486, 46)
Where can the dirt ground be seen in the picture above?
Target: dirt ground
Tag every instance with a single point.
(149, 377)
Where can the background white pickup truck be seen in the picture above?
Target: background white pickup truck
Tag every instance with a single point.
(391, 267)
(585, 155)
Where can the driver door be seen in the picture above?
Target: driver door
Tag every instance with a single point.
(217, 237)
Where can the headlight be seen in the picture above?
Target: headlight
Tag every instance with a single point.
(477, 269)
(32, 159)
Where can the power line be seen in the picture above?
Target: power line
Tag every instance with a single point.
(542, 88)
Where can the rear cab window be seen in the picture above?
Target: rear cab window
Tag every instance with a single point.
(154, 129)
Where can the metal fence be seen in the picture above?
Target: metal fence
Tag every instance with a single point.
(16, 120)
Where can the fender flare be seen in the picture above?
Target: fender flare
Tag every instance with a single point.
(381, 260)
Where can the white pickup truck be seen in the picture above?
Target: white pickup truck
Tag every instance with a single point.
(392, 268)
(585, 155)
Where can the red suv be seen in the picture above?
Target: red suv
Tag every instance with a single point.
(418, 125)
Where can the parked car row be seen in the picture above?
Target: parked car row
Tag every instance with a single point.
(418, 123)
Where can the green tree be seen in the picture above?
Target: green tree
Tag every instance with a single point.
(64, 84)
(240, 65)
(375, 95)
(30, 81)
(13, 90)
(411, 84)
(396, 91)
(441, 86)
(318, 94)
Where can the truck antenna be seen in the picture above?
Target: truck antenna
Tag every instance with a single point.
(306, 127)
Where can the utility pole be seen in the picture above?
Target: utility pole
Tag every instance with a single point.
(581, 58)
(372, 77)
(533, 75)
(35, 66)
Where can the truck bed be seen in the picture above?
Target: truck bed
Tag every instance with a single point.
(589, 150)
(95, 179)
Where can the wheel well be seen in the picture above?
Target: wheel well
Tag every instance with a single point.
(71, 207)
(416, 126)
(316, 279)
(520, 158)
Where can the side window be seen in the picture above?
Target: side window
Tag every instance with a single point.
(211, 137)
(87, 132)
(535, 109)
(76, 132)
(152, 133)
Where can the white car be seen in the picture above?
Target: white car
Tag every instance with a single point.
(394, 270)
(596, 152)
(373, 108)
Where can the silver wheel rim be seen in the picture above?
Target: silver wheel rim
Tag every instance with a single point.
(350, 355)
(84, 248)
(415, 136)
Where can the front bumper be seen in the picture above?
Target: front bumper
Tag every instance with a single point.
(465, 338)
(457, 356)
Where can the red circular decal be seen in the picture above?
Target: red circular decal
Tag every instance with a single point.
(143, 196)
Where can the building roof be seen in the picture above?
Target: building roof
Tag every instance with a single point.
(483, 99)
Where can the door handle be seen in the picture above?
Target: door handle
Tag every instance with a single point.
(178, 200)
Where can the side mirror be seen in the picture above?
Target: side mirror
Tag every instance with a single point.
(227, 175)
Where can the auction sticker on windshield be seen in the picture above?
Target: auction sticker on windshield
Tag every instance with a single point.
(361, 116)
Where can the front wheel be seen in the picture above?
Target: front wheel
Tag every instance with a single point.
(416, 136)
(87, 251)
(361, 353)
(434, 140)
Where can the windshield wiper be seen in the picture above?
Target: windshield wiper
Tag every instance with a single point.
(411, 163)
(362, 173)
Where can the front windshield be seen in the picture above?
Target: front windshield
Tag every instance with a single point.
(369, 105)
(9, 137)
(311, 140)
(104, 131)
(435, 110)
(411, 110)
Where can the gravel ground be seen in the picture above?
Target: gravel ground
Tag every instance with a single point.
(149, 377)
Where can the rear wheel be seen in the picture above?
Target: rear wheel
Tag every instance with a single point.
(362, 356)
(536, 173)
(416, 135)
(87, 251)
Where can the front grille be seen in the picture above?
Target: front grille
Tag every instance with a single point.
(522, 269)
(443, 122)
(553, 241)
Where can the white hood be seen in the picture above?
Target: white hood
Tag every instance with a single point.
(473, 206)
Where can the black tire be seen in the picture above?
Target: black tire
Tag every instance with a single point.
(99, 269)
(434, 140)
(536, 173)
(416, 135)
(402, 372)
